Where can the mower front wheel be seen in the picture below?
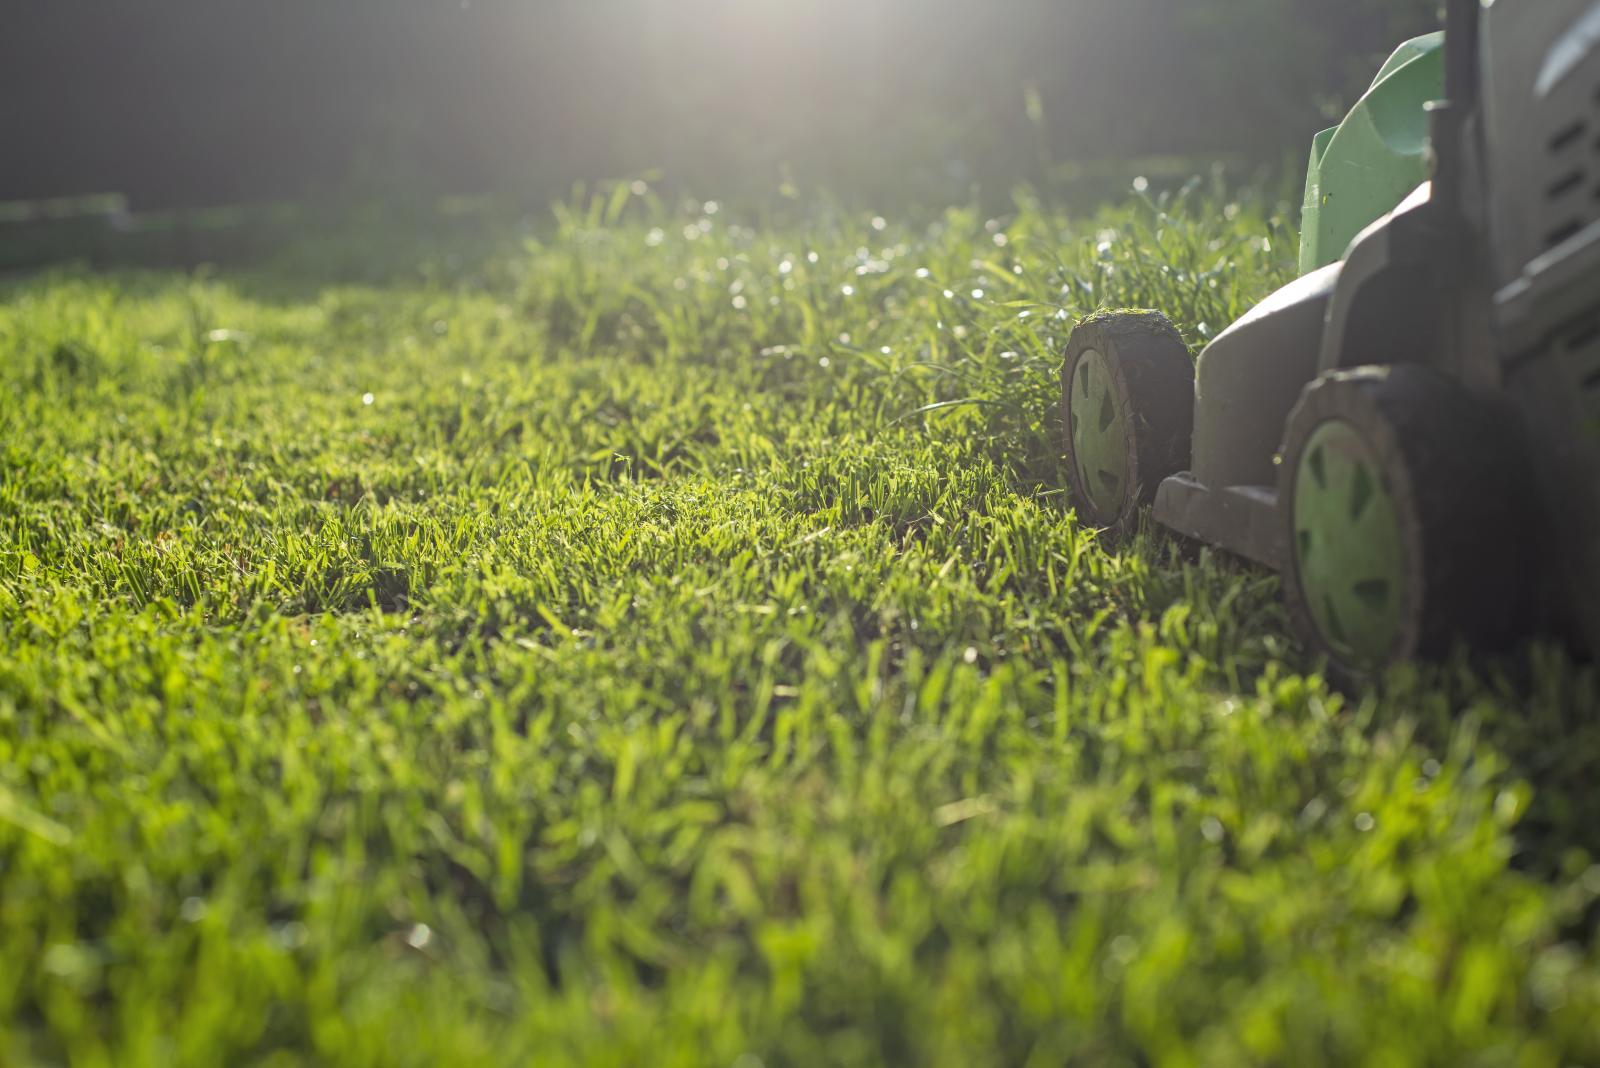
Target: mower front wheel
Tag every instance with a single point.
(1127, 406)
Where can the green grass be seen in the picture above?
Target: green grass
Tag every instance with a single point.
(669, 643)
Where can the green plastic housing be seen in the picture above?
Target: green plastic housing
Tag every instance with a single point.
(1363, 168)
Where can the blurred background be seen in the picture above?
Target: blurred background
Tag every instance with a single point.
(189, 103)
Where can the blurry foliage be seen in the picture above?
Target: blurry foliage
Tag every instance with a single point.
(224, 100)
(1272, 60)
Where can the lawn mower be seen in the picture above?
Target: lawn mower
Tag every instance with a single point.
(1409, 432)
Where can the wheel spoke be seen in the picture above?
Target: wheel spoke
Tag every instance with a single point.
(1374, 593)
(1335, 627)
(1360, 491)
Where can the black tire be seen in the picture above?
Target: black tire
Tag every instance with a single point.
(1460, 497)
(1150, 380)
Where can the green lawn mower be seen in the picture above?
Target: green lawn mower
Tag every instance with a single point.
(1410, 432)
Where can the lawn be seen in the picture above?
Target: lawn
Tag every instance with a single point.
(665, 640)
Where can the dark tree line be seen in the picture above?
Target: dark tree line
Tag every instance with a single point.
(204, 101)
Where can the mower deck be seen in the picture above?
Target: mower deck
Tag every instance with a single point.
(1240, 519)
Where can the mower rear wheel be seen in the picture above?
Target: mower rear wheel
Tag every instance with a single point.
(1404, 507)
(1127, 406)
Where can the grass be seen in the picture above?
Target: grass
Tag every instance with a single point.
(668, 642)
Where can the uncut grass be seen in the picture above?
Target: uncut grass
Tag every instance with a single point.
(669, 641)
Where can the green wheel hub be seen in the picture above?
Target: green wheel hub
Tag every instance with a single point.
(1349, 550)
(1099, 434)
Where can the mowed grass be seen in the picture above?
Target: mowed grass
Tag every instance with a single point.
(669, 643)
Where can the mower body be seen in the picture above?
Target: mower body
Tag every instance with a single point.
(1475, 253)
(1362, 168)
